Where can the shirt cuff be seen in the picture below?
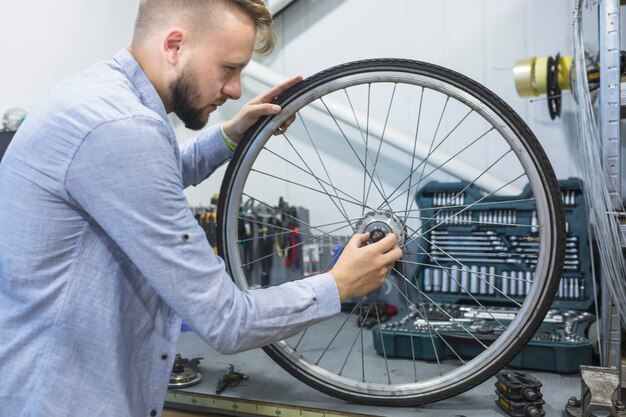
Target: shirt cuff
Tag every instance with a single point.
(326, 293)
(232, 145)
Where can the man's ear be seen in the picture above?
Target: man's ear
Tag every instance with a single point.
(173, 43)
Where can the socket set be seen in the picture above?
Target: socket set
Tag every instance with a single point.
(488, 252)
(484, 255)
(454, 330)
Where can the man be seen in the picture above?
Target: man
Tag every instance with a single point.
(100, 256)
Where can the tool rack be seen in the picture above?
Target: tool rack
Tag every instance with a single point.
(489, 240)
(486, 255)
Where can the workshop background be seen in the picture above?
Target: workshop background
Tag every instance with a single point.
(46, 42)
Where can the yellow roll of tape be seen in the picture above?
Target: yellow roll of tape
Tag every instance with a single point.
(541, 74)
(524, 74)
(531, 75)
(564, 70)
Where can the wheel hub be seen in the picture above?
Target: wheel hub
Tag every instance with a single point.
(379, 224)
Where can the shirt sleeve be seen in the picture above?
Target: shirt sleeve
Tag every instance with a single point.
(126, 177)
(202, 155)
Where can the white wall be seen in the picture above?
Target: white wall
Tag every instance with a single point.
(45, 42)
(479, 38)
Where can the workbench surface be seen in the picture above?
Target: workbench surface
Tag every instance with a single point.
(269, 383)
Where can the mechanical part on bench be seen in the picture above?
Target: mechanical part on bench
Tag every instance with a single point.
(230, 379)
(519, 394)
(184, 372)
(599, 394)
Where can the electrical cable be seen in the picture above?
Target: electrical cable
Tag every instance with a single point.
(602, 215)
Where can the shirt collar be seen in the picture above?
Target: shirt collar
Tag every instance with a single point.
(140, 82)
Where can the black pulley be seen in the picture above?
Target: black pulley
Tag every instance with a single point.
(553, 88)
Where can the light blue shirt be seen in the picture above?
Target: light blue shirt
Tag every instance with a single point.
(101, 257)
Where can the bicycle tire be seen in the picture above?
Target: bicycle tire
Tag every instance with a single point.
(456, 89)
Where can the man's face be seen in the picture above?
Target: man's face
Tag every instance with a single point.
(211, 74)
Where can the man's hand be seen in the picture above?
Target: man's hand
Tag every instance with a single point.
(362, 268)
(257, 107)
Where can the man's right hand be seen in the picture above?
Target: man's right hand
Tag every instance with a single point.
(362, 268)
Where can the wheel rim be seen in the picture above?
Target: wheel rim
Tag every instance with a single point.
(364, 114)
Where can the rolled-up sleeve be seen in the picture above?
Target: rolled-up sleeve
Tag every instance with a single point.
(127, 178)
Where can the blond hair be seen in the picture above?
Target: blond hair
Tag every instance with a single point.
(153, 14)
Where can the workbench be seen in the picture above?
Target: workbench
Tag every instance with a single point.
(271, 391)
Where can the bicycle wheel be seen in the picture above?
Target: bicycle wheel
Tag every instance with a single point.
(411, 148)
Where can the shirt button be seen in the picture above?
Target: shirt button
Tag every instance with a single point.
(185, 237)
(153, 413)
(164, 357)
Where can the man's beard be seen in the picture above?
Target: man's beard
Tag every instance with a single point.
(182, 91)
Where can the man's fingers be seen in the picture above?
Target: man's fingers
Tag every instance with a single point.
(276, 91)
(265, 109)
(386, 243)
(358, 239)
(393, 255)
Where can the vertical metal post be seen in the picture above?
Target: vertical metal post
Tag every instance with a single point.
(609, 98)
(609, 127)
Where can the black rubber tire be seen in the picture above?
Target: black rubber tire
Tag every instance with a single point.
(535, 314)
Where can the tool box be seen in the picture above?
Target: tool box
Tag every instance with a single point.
(499, 258)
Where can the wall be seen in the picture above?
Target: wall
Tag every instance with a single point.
(479, 38)
(45, 42)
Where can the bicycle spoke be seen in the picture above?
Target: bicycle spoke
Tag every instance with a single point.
(439, 167)
(417, 128)
(443, 310)
(310, 227)
(330, 184)
(468, 207)
(380, 143)
(369, 175)
(342, 210)
(460, 283)
(304, 186)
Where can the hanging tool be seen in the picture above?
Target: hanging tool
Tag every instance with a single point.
(295, 240)
(266, 229)
(311, 258)
(282, 240)
(245, 233)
